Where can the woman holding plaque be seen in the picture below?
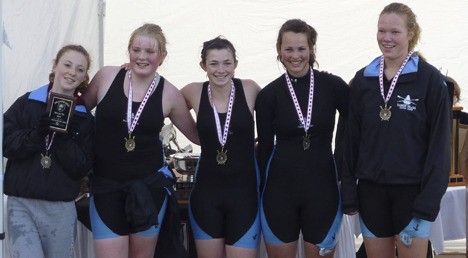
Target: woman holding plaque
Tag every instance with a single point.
(398, 142)
(130, 184)
(300, 192)
(44, 167)
(224, 202)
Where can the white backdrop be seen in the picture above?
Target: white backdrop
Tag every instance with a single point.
(346, 34)
(35, 31)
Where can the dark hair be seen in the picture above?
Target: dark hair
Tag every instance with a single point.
(411, 23)
(78, 48)
(150, 30)
(217, 43)
(298, 26)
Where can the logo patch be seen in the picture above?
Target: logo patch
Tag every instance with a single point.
(407, 103)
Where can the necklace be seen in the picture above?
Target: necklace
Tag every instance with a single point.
(221, 157)
(46, 160)
(385, 112)
(130, 143)
(305, 123)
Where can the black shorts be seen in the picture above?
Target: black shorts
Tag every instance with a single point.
(386, 209)
(111, 209)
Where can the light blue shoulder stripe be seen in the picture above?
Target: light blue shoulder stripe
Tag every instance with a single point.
(40, 95)
(372, 70)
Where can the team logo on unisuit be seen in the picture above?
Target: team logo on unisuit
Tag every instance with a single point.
(407, 103)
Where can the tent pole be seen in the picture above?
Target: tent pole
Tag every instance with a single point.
(2, 232)
(102, 14)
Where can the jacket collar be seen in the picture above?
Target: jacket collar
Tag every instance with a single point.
(40, 95)
(373, 68)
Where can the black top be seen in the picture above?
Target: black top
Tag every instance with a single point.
(277, 117)
(112, 159)
(239, 169)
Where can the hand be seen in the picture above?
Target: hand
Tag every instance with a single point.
(417, 228)
(351, 213)
(126, 66)
(73, 128)
(42, 127)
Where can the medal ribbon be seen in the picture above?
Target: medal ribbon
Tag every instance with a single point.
(306, 123)
(47, 143)
(131, 124)
(222, 138)
(395, 78)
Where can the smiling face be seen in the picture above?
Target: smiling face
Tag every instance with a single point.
(220, 66)
(393, 36)
(295, 53)
(145, 56)
(70, 71)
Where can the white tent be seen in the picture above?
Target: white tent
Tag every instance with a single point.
(35, 30)
(346, 41)
(346, 34)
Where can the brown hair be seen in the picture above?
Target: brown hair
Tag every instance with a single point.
(411, 23)
(217, 43)
(298, 26)
(78, 48)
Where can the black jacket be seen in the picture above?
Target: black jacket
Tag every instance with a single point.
(71, 154)
(413, 148)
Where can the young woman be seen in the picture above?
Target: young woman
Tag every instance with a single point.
(295, 124)
(130, 182)
(44, 167)
(398, 143)
(224, 202)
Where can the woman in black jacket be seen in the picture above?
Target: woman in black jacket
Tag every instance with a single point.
(44, 167)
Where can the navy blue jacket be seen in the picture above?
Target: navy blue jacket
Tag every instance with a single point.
(413, 147)
(72, 156)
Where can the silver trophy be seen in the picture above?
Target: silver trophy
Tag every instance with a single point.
(181, 160)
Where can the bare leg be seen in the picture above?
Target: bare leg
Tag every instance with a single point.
(418, 248)
(142, 247)
(381, 247)
(213, 248)
(288, 250)
(239, 252)
(111, 247)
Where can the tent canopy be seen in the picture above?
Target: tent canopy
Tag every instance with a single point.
(346, 35)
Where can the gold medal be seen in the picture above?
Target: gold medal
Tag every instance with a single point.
(130, 143)
(46, 161)
(385, 113)
(132, 121)
(221, 157)
(305, 142)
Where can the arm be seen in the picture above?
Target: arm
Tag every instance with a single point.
(20, 137)
(192, 94)
(99, 86)
(265, 108)
(175, 107)
(251, 90)
(341, 95)
(350, 153)
(435, 175)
